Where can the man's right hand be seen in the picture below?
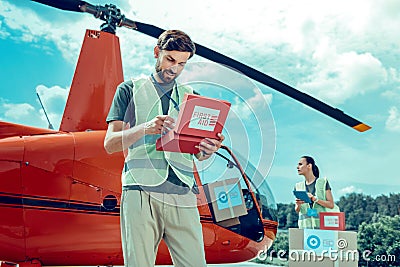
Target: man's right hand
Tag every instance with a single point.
(160, 124)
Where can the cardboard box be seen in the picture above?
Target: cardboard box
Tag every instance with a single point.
(343, 254)
(332, 221)
(199, 117)
(226, 199)
(229, 222)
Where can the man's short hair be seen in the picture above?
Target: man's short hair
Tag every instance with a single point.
(176, 40)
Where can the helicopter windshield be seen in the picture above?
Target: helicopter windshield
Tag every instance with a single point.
(261, 188)
(223, 169)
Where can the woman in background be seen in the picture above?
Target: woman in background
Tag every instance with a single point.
(318, 190)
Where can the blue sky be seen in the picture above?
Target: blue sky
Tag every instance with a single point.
(343, 53)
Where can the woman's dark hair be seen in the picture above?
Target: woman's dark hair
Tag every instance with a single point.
(314, 168)
(175, 40)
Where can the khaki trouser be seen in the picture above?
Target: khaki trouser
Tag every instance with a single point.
(148, 217)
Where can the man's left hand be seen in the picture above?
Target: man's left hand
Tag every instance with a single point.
(208, 146)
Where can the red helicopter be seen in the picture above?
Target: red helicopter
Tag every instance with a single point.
(60, 190)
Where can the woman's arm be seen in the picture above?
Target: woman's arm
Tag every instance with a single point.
(298, 204)
(328, 203)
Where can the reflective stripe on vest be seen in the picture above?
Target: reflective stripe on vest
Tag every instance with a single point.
(145, 165)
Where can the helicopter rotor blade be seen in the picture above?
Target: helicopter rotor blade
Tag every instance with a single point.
(153, 31)
(69, 5)
(265, 79)
(284, 88)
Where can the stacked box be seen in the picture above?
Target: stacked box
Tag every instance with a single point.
(322, 248)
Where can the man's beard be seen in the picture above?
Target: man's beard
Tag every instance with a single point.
(167, 76)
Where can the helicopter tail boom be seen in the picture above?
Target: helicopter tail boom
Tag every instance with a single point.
(8, 129)
(94, 83)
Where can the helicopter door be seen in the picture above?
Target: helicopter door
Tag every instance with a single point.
(229, 198)
(12, 244)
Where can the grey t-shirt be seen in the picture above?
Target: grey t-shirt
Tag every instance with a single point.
(122, 106)
(123, 109)
(311, 187)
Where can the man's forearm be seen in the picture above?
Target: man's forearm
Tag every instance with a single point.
(121, 140)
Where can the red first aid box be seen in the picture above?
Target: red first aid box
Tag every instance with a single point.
(332, 221)
(199, 117)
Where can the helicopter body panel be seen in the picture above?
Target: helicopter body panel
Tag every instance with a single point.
(63, 208)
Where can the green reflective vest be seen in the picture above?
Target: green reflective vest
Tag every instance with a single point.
(145, 165)
(306, 221)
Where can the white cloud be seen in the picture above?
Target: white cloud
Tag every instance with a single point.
(348, 190)
(21, 113)
(394, 75)
(264, 27)
(3, 33)
(256, 104)
(393, 121)
(24, 25)
(338, 77)
(53, 99)
(260, 100)
(18, 111)
(331, 44)
(27, 26)
(392, 92)
(392, 95)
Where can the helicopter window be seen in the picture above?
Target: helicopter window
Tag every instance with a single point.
(110, 202)
(263, 192)
(222, 169)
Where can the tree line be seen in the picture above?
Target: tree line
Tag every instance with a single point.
(358, 208)
(376, 221)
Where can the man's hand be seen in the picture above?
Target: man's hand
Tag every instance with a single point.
(208, 146)
(159, 125)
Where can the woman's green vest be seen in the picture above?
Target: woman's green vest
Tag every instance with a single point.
(144, 164)
(306, 221)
